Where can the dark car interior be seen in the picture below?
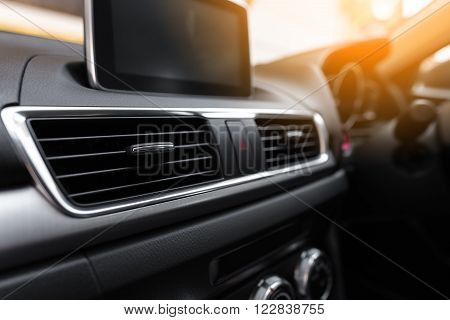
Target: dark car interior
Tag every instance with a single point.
(326, 178)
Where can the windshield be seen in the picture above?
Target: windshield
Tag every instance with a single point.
(284, 27)
(278, 28)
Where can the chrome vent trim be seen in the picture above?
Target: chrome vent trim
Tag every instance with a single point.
(15, 120)
(100, 160)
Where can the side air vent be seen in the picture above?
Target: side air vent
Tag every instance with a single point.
(288, 142)
(98, 161)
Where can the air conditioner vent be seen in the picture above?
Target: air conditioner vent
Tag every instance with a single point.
(288, 142)
(102, 160)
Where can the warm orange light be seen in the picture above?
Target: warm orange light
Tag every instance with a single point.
(411, 7)
(442, 55)
(26, 19)
(384, 10)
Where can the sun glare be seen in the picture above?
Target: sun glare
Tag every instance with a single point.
(278, 27)
(384, 9)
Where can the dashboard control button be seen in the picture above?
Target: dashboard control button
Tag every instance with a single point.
(313, 275)
(273, 288)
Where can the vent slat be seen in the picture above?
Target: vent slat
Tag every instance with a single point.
(303, 156)
(295, 147)
(45, 128)
(288, 142)
(137, 184)
(153, 194)
(118, 152)
(94, 172)
(86, 155)
(276, 127)
(120, 136)
(188, 160)
(126, 168)
(91, 164)
(270, 138)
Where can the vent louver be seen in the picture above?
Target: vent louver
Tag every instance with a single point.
(102, 160)
(288, 142)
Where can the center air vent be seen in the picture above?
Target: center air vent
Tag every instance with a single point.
(288, 142)
(97, 161)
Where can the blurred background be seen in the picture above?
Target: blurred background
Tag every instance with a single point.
(278, 27)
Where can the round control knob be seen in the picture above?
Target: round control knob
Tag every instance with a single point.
(273, 288)
(313, 275)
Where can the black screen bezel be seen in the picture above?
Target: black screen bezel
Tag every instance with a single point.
(107, 78)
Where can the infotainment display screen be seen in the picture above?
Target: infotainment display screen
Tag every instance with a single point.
(168, 46)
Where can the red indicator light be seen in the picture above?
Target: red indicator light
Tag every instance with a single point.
(243, 145)
(346, 141)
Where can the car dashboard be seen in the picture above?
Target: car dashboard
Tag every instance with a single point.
(77, 221)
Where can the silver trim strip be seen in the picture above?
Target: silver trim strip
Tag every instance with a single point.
(151, 148)
(89, 44)
(15, 118)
